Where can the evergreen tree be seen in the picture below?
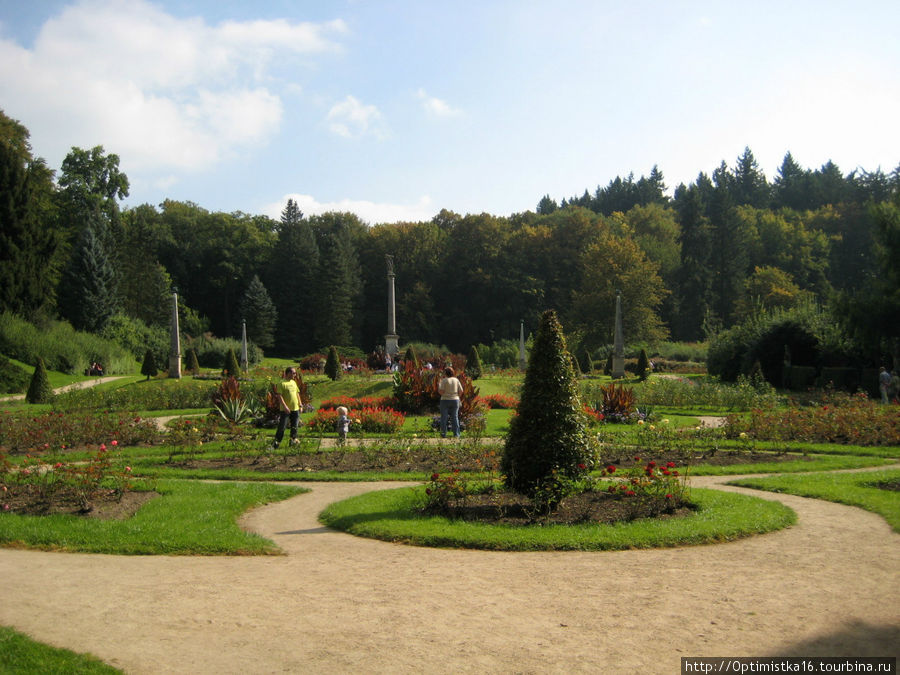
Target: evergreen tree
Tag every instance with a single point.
(750, 185)
(232, 367)
(39, 390)
(29, 246)
(291, 277)
(643, 365)
(473, 364)
(88, 293)
(148, 367)
(333, 364)
(193, 364)
(791, 188)
(338, 283)
(257, 309)
(587, 363)
(548, 436)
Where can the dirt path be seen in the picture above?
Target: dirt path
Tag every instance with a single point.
(336, 603)
(83, 384)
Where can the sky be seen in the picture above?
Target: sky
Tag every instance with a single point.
(396, 109)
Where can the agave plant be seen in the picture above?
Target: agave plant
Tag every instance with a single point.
(235, 410)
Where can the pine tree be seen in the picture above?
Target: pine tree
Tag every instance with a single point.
(39, 390)
(333, 364)
(148, 367)
(473, 364)
(548, 435)
(257, 309)
(338, 283)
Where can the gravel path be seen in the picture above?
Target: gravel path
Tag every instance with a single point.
(339, 604)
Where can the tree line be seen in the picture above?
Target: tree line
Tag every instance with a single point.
(720, 250)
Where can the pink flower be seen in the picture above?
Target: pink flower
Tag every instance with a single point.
(114, 443)
(6, 507)
(58, 465)
(103, 447)
(128, 469)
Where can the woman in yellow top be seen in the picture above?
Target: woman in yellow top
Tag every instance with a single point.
(450, 389)
(288, 396)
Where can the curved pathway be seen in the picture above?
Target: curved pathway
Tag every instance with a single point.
(337, 603)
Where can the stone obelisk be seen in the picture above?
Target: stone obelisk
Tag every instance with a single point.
(391, 340)
(175, 342)
(618, 361)
(245, 362)
(522, 360)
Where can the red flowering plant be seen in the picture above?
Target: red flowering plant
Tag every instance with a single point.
(369, 420)
(447, 492)
(499, 402)
(36, 486)
(53, 431)
(649, 489)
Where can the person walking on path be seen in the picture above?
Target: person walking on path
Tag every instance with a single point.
(884, 383)
(287, 394)
(450, 389)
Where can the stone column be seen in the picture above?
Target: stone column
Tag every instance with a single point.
(245, 362)
(522, 360)
(391, 340)
(618, 362)
(175, 342)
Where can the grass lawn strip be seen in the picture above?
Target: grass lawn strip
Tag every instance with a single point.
(20, 654)
(188, 518)
(853, 489)
(395, 515)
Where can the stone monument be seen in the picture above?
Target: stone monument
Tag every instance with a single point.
(618, 361)
(245, 362)
(175, 342)
(391, 340)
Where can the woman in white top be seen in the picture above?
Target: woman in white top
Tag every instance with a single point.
(450, 389)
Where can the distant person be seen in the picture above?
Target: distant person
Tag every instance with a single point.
(450, 389)
(342, 424)
(884, 384)
(287, 393)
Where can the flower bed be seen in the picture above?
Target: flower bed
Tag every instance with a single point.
(369, 420)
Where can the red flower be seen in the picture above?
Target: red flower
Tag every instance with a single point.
(669, 497)
(671, 465)
(582, 467)
(610, 469)
(630, 493)
(435, 476)
(637, 459)
(651, 464)
(666, 472)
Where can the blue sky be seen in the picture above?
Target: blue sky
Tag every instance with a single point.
(397, 109)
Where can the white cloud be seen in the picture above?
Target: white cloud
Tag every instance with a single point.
(352, 119)
(371, 212)
(435, 106)
(165, 93)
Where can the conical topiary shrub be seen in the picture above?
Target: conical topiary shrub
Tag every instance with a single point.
(193, 363)
(643, 365)
(39, 390)
(548, 436)
(148, 367)
(473, 364)
(333, 364)
(232, 368)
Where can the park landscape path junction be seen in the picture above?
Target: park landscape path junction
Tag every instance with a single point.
(335, 603)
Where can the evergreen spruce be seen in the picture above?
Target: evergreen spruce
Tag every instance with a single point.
(39, 390)
(473, 364)
(148, 367)
(643, 365)
(232, 368)
(333, 364)
(257, 309)
(548, 436)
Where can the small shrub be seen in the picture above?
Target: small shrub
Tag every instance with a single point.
(148, 367)
(333, 364)
(473, 364)
(231, 366)
(39, 390)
